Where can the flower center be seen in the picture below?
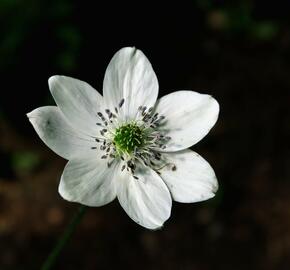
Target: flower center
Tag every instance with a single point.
(130, 142)
(128, 137)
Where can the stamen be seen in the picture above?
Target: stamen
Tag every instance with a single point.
(162, 117)
(150, 110)
(133, 142)
(121, 102)
(143, 110)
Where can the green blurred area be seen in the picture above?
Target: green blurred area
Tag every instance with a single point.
(21, 20)
(24, 162)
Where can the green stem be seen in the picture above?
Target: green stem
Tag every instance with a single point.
(51, 259)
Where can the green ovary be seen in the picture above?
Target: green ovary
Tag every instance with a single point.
(128, 137)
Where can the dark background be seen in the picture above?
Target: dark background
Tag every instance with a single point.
(237, 51)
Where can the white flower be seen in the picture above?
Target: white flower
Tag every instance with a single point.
(127, 144)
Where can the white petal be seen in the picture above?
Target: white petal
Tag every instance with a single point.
(89, 181)
(193, 180)
(146, 200)
(130, 75)
(78, 101)
(189, 117)
(58, 134)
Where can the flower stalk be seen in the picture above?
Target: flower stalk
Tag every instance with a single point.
(62, 241)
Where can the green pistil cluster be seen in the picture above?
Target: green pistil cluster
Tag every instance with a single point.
(128, 137)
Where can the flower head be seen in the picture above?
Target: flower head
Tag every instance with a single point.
(126, 143)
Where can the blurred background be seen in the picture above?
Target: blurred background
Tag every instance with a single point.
(237, 51)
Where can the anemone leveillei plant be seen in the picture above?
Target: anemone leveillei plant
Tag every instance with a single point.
(127, 143)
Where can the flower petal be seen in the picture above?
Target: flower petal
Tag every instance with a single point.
(58, 134)
(189, 117)
(89, 181)
(78, 101)
(130, 75)
(146, 200)
(192, 180)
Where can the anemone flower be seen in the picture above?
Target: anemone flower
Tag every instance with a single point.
(127, 144)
